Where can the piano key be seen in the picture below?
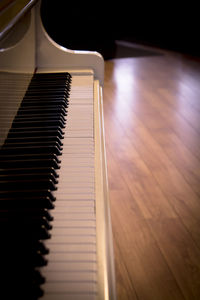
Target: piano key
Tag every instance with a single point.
(62, 296)
(30, 163)
(31, 184)
(38, 130)
(70, 240)
(30, 110)
(34, 139)
(32, 144)
(37, 123)
(71, 288)
(28, 170)
(25, 224)
(30, 176)
(28, 212)
(39, 116)
(28, 195)
(44, 104)
(70, 276)
(32, 133)
(71, 267)
(30, 150)
(32, 156)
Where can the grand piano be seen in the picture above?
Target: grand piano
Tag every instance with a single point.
(55, 227)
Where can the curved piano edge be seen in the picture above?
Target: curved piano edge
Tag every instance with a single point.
(51, 55)
(105, 253)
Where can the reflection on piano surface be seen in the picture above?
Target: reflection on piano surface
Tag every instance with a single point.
(56, 239)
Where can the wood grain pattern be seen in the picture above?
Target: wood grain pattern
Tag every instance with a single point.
(152, 125)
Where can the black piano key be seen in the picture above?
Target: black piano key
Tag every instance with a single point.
(52, 92)
(38, 117)
(25, 157)
(37, 129)
(34, 139)
(44, 104)
(42, 109)
(32, 144)
(28, 194)
(37, 277)
(31, 222)
(30, 110)
(12, 201)
(28, 212)
(23, 171)
(30, 150)
(42, 81)
(32, 133)
(29, 176)
(37, 123)
(52, 76)
(30, 163)
(38, 260)
(29, 184)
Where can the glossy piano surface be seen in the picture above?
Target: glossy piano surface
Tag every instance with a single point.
(53, 196)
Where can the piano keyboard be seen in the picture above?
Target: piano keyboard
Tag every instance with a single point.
(71, 272)
(47, 196)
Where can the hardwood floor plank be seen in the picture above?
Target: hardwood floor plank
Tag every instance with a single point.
(181, 255)
(146, 266)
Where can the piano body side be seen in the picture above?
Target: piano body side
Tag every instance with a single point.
(103, 218)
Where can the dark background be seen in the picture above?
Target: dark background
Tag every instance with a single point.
(96, 25)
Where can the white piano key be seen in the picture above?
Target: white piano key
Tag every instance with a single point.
(74, 248)
(75, 169)
(78, 190)
(54, 296)
(76, 185)
(88, 161)
(72, 196)
(74, 216)
(60, 205)
(66, 205)
(81, 150)
(80, 179)
(71, 257)
(73, 223)
(70, 276)
(71, 266)
(73, 231)
(74, 209)
(71, 287)
(64, 239)
(79, 141)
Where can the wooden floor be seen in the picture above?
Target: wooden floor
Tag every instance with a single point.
(152, 125)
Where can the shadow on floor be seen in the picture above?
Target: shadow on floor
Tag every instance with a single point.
(126, 49)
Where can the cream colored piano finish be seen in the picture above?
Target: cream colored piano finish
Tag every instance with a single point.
(81, 264)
